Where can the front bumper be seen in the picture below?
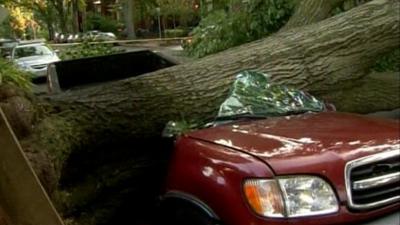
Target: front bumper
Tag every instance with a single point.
(391, 219)
(383, 216)
(38, 73)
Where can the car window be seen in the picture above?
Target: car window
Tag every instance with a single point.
(4, 52)
(31, 51)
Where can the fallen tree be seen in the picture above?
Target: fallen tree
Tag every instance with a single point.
(76, 132)
(311, 11)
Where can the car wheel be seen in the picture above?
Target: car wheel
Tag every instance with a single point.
(186, 214)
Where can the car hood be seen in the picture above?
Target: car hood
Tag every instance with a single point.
(312, 142)
(37, 60)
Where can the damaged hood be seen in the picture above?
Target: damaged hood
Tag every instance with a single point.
(293, 144)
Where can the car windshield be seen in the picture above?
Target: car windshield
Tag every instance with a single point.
(27, 51)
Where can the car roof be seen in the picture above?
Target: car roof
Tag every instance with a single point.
(34, 41)
(29, 45)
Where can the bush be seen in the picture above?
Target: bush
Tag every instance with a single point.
(217, 32)
(87, 49)
(102, 23)
(11, 74)
(5, 28)
(224, 29)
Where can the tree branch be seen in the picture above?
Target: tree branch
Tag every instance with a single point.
(311, 11)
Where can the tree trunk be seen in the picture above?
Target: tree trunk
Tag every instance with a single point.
(372, 93)
(75, 16)
(50, 30)
(311, 11)
(129, 19)
(62, 15)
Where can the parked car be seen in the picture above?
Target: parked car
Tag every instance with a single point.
(295, 167)
(67, 38)
(34, 58)
(96, 35)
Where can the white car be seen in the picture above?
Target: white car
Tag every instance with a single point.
(96, 35)
(34, 58)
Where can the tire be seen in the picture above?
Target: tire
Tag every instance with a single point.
(186, 214)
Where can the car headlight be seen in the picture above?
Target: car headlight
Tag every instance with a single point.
(23, 65)
(264, 197)
(291, 196)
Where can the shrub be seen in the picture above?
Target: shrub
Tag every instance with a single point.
(5, 28)
(218, 31)
(102, 23)
(224, 29)
(11, 74)
(87, 49)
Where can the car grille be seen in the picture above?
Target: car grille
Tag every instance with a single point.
(373, 181)
(38, 67)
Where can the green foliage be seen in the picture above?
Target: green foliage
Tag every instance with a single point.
(267, 16)
(217, 32)
(98, 22)
(176, 128)
(224, 29)
(87, 49)
(178, 8)
(5, 29)
(10, 74)
(389, 62)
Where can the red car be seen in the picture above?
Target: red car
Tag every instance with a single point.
(314, 168)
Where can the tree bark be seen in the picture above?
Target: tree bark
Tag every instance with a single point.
(372, 93)
(75, 16)
(311, 11)
(129, 19)
(62, 15)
